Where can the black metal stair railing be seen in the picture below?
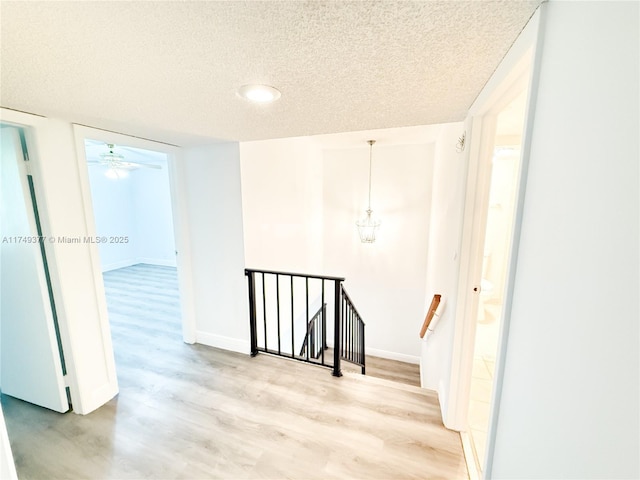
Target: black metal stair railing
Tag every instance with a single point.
(294, 314)
(316, 339)
(352, 328)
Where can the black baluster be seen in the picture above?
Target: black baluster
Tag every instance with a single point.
(278, 308)
(293, 348)
(306, 281)
(264, 312)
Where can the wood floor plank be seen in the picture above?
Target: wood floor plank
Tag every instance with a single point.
(191, 411)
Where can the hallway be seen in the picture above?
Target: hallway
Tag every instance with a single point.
(190, 411)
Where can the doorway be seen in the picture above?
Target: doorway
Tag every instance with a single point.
(140, 198)
(132, 208)
(131, 200)
(496, 246)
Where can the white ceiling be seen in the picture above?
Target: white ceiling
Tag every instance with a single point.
(169, 70)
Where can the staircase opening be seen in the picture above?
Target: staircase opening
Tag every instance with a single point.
(309, 318)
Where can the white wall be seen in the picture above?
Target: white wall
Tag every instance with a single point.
(155, 242)
(569, 402)
(301, 199)
(214, 205)
(137, 206)
(443, 260)
(113, 209)
(386, 279)
(282, 204)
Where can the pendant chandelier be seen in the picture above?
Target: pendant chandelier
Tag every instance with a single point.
(368, 225)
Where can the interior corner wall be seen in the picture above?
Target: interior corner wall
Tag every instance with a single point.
(385, 279)
(570, 390)
(443, 260)
(211, 175)
(137, 206)
(282, 204)
(154, 234)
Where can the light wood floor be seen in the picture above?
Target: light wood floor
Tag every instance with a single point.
(190, 411)
(402, 372)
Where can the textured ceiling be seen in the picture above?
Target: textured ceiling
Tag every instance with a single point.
(169, 70)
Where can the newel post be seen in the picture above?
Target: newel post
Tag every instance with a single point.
(337, 342)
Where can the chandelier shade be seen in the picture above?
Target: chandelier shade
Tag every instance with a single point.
(367, 227)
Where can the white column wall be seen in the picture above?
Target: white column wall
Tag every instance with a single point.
(569, 403)
(211, 175)
(443, 260)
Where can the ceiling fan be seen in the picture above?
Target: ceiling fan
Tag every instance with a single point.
(116, 161)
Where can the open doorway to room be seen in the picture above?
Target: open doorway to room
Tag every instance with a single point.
(505, 166)
(131, 199)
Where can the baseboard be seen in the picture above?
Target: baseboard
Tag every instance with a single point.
(401, 357)
(121, 264)
(225, 343)
(86, 404)
(156, 261)
(469, 457)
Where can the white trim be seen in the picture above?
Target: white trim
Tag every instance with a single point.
(21, 119)
(98, 398)
(120, 264)
(534, 79)
(518, 65)
(129, 262)
(225, 343)
(470, 457)
(182, 236)
(401, 357)
(161, 262)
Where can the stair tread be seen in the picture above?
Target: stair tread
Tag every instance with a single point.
(391, 384)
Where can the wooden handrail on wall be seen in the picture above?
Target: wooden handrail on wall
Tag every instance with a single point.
(430, 313)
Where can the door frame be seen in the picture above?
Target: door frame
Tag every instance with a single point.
(179, 217)
(519, 69)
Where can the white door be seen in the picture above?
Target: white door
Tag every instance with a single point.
(31, 364)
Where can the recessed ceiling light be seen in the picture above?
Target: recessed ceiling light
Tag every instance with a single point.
(259, 93)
